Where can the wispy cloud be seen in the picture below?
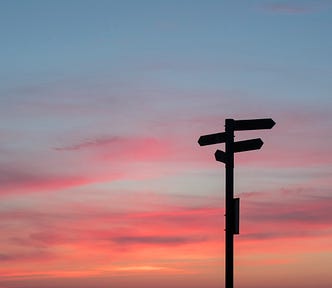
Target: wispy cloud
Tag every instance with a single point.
(90, 143)
(156, 240)
(31, 256)
(17, 180)
(82, 233)
(295, 7)
(295, 213)
(115, 148)
(140, 268)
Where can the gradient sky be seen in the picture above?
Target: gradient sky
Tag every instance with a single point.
(102, 182)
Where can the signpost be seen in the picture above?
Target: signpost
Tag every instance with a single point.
(233, 204)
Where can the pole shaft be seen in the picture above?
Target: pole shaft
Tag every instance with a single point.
(229, 259)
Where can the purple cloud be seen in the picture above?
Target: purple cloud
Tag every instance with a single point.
(297, 213)
(89, 143)
(19, 180)
(295, 7)
(26, 256)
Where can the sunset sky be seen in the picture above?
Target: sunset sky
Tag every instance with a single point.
(102, 181)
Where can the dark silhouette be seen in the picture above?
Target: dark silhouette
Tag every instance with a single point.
(233, 204)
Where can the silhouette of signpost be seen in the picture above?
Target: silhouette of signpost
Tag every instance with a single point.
(233, 204)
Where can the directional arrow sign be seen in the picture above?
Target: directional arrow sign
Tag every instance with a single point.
(246, 145)
(212, 139)
(220, 156)
(253, 124)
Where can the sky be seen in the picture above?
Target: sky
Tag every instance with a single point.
(102, 181)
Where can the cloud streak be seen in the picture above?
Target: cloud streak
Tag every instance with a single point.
(155, 240)
(295, 7)
(114, 148)
(17, 180)
(22, 181)
(284, 215)
(90, 143)
(82, 233)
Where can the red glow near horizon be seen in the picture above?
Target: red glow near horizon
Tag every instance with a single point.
(150, 233)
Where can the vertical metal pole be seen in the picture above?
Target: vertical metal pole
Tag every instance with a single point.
(229, 261)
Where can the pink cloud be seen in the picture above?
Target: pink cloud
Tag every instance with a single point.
(114, 148)
(285, 214)
(160, 228)
(18, 180)
(93, 233)
(89, 144)
(27, 181)
(97, 236)
(33, 256)
(293, 142)
(98, 230)
(264, 217)
(156, 240)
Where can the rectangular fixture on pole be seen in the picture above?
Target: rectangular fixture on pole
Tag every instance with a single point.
(236, 207)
